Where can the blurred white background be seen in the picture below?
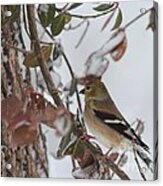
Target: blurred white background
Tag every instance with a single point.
(136, 63)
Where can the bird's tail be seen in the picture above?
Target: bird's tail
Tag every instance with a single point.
(140, 142)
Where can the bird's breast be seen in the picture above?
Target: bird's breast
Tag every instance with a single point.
(103, 133)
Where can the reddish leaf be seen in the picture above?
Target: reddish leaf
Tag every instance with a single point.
(24, 135)
(20, 119)
(119, 51)
(23, 118)
(37, 101)
(10, 107)
(87, 159)
(51, 113)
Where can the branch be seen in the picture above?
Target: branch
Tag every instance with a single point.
(43, 65)
(76, 91)
(137, 18)
(138, 165)
(95, 15)
(118, 171)
(83, 34)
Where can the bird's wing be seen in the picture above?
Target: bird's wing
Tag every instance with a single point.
(119, 126)
(109, 108)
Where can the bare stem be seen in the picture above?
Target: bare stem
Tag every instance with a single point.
(15, 48)
(76, 26)
(83, 35)
(118, 171)
(138, 165)
(137, 18)
(95, 15)
(76, 91)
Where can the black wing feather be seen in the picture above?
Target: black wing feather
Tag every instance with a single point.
(120, 127)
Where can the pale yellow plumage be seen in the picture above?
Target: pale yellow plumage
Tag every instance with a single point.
(104, 120)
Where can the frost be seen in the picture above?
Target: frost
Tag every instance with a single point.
(44, 8)
(97, 63)
(113, 42)
(83, 173)
(63, 126)
(8, 13)
(56, 78)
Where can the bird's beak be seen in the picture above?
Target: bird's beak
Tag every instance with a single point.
(82, 91)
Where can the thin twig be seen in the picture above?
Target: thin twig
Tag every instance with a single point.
(118, 171)
(68, 65)
(119, 161)
(65, 6)
(15, 48)
(83, 35)
(76, 91)
(95, 15)
(138, 165)
(47, 31)
(70, 27)
(137, 18)
(42, 157)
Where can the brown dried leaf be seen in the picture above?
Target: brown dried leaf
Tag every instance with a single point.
(152, 21)
(51, 113)
(119, 51)
(31, 57)
(87, 159)
(24, 135)
(37, 101)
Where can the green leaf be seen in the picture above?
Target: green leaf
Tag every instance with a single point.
(46, 17)
(79, 149)
(118, 20)
(74, 5)
(58, 24)
(73, 86)
(103, 7)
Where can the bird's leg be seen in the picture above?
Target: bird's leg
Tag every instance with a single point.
(87, 136)
(108, 152)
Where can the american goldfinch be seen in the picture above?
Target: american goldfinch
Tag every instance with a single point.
(105, 121)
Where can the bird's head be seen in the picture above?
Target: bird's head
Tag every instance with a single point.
(94, 90)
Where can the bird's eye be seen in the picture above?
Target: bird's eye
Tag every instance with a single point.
(88, 88)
